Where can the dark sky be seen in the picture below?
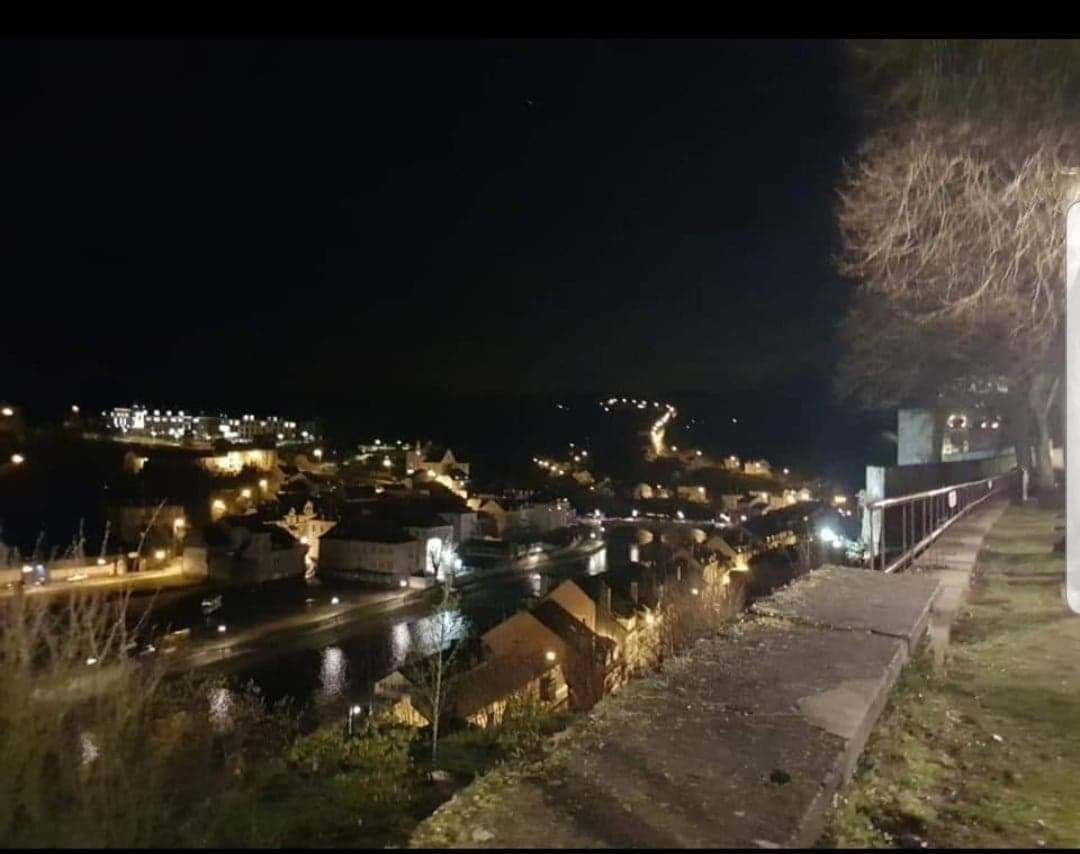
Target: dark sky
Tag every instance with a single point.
(325, 220)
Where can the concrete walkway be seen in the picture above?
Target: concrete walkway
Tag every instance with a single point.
(739, 743)
(951, 560)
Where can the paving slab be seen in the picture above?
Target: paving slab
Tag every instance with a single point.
(741, 742)
(895, 605)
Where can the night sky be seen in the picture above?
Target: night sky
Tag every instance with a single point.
(282, 225)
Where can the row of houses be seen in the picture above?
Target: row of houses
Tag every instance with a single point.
(582, 641)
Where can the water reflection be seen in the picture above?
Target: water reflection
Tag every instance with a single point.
(332, 674)
(597, 563)
(400, 644)
(438, 631)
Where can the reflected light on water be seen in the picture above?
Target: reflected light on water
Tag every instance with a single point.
(438, 631)
(597, 562)
(400, 643)
(332, 674)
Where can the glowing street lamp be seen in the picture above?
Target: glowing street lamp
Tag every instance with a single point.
(318, 453)
(264, 484)
(246, 493)
(17, 459)
(353, 712)
(7, 411)
(550, 655)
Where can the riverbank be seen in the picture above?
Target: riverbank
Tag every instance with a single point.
(984, 752)
(273, 634)
(146, 581)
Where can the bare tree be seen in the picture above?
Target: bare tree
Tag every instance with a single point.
(441, 632)
(952, 218)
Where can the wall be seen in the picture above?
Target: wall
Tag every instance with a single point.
(392, 559)
(914, 437)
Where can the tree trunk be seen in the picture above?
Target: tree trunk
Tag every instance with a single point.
(1020, 422)
(1041, 393)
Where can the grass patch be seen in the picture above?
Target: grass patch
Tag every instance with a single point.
(986, 754)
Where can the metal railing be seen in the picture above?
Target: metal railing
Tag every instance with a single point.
(902, 528)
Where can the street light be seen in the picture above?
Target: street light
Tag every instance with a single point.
(353, 712)
(17, 459)
(550, 655)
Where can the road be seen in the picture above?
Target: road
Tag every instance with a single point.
(169, 578)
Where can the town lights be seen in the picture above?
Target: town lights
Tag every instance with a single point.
(101, 561)
(218, 504)
(634, 512)
(221, 628)
(694, 591)
(246, 493)
(649, 619)
(787, 471)
(550, 655)
(318, 453)
(403, 583)
(264, 484)
(75, 409)
(90, 662)
(303, 541)
(17, 459)
(7, 411)
(159, 554)
(386, 462)
(335, 601)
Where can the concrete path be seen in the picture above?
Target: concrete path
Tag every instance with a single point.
(951, 560)
(739, 743)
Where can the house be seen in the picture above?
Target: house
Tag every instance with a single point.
(590, 661)
(511, 515)
(434, 533)
(482, 695)
(394, 695)
(522, 636)
(446, 508)
(692, 492)
(246, 549)
(371, 550)
(757, 467)
(731, 463)
(576, 602)
(437, 459)
(235, 460)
